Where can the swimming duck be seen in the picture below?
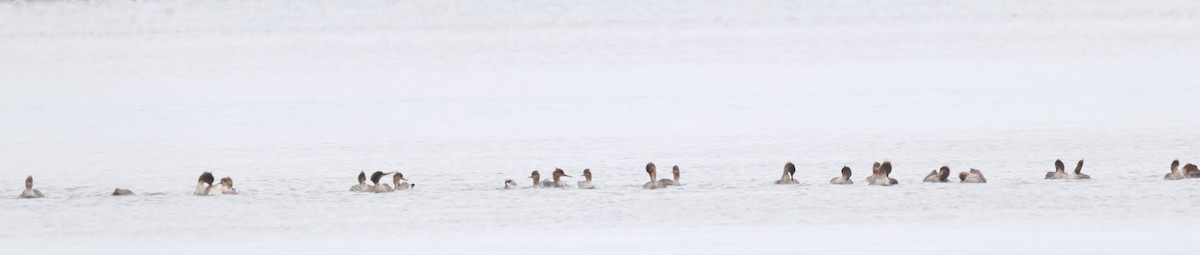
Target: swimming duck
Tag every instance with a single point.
(537, 179)
(556, 181)
(122, 192)
(940, 175)
(882, 175)
(379, 188)
(587, 182)
(1059, 171)
(1191, 171)
(974, 176)
(226, 186)
(1175, 173)
(844, 179)
(1078, 170)
(510, 184)
(204, 184)
(789, 171)
(671, 182)
(30, 192)
(874, 169)
(401, 183)
(653, 172)
(362, 185)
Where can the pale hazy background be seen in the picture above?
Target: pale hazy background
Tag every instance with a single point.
(293, 98)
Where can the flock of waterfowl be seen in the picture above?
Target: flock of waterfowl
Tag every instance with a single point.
(880, 175)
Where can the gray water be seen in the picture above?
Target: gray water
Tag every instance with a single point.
(292, 100)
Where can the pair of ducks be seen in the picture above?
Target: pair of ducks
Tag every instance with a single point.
(880, 174)
(397, 180)
(555, 180)
(943, 175)
(660, 183)
(1188, 171)
(205, 187)
(1061, 173)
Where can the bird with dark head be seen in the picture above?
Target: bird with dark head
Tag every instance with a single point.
(881, 176)
(1059, 171)
(122, 192)
(30, 192)
(653, 172)
(939, 175)
(204, 185)
(789, 173)
(379, 188)
(844, 179)
(362, 185)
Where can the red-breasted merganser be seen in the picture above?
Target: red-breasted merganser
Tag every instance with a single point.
(30, 192)
(379, 188)
(587, 182)
(537, 179)
(556, 181)
(671, 182)
(204, 185)
(226, 186)
(1060, 171)
(1078, 172)
(789, 171)
(974, 176)
(1191, 171)
(362, 185)
(653, 172)
(882, 175)
(401, 183)
(844, 179)
(940, 175)
(122, 192)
